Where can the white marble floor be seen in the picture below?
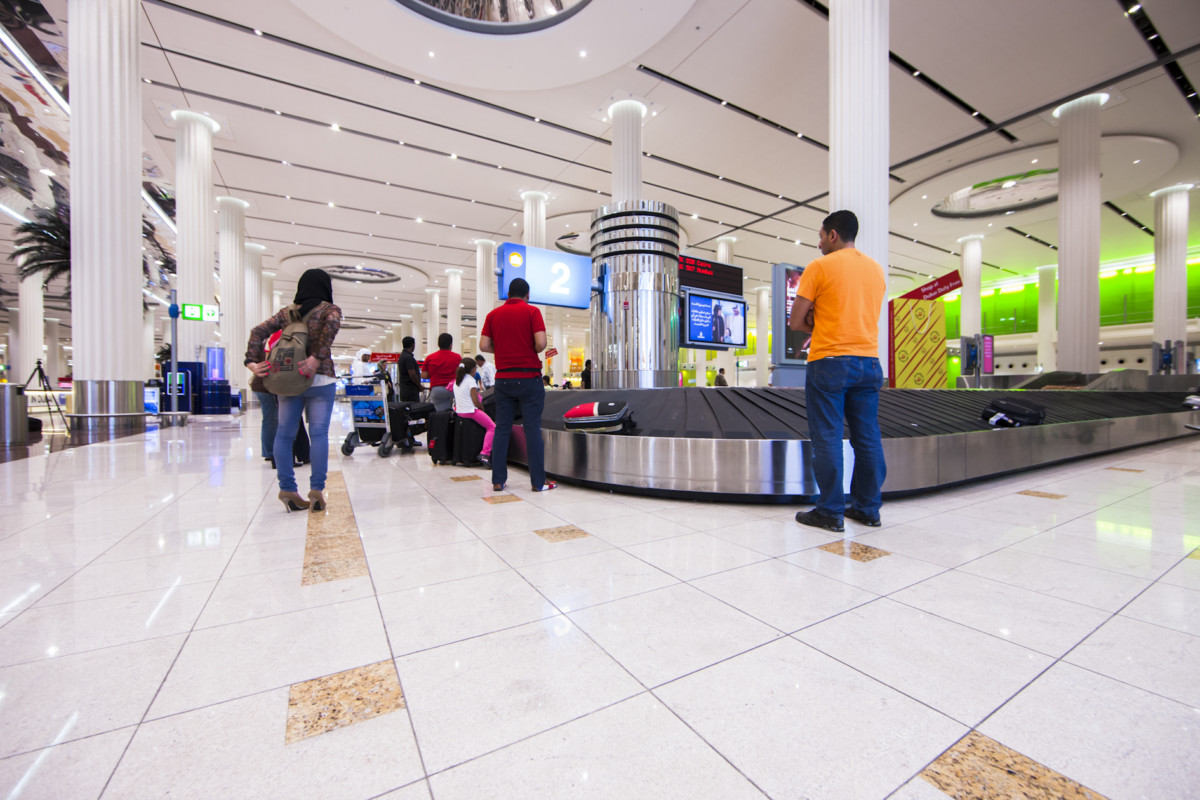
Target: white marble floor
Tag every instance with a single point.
(153, 627)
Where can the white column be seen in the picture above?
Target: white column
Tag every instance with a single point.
(485, 279)
(13, 352)
(231, 223)
(1170, 263)
(858, 115)
(762, 330)
(148, 350)
(556, 331)
(1047, 317)
(50, 360)
(535, 218)
(454, 307)
(1079, 234)
(726, 359)
(254, 292)
(31, 302)
(194, 218)
(418, 329)
(267, 296)
(970, 307)
(627, 118)
(434, 317)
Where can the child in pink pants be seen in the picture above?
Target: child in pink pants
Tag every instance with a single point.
(468, 406)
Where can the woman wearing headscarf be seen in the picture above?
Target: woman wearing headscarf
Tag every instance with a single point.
(314, 299)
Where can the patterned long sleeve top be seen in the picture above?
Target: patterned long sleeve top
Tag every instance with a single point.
(323, 326)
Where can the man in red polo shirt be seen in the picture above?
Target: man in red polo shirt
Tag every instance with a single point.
(440, 368)
(516, 333)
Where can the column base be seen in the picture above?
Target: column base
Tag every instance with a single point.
(108, 407)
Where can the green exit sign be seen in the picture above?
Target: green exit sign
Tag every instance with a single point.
(200, 313)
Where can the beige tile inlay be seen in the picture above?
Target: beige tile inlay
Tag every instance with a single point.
(854, 550)
(563, 533)
(983, 769)
(496, 499)
(461, 478)
(1047, 495)
(333, 550)
(1125, 469)
(336, 701)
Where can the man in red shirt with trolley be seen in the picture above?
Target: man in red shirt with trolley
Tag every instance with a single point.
(515, 332)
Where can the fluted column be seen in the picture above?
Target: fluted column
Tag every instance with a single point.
(13, 351)
(726, 359)
(454, 306)
(1079, 234)
(433, 318)
(268, 295)
(147, 356)
(51, 360)
(1047, 317)
(32, 336)
(485, 279)
(535, 218)
(1170, 264)
(193, 217)
(762, 333)
(970, 321)
(627, 118)
(254, 294)
(418, 329)
(858, 115)
(231, 224)
(557, 369)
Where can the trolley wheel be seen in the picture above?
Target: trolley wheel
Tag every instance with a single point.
(386, 445)
(349, 445)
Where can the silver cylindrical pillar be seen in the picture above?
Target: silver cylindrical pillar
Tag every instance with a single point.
(231, 222)
(1047, 317)
(635, 319)
(1170, 264)
(762, 333)
(193, 216)
(627, 118)
(1079, 234)
(454, 307)
(859, 71)
(970, 307)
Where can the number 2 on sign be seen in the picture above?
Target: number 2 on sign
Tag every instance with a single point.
(564, 275)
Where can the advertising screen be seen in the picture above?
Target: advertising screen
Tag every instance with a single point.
(714, 321)
(795, 343)
(989, 354)
(555, 278)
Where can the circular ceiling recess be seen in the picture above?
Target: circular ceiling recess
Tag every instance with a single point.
(588, 40)
(998, 196)
(363, 270)
(499, 18)
(360, 274)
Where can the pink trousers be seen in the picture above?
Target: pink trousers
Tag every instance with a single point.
(489, 428)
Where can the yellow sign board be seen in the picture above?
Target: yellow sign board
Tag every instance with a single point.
(918, 344)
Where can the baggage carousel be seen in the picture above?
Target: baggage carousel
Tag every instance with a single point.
(752, 444)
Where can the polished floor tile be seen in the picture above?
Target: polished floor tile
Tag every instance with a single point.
(1098, 588)
(78, 768)
(574, 583)
(1150, 657)
(1169, 606)
(694, 555)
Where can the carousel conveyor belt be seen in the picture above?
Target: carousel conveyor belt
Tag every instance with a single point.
(752, 444)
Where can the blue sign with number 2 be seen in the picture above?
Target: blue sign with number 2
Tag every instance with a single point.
(555, 278)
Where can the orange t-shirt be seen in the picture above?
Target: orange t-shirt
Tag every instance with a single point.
(847, 290)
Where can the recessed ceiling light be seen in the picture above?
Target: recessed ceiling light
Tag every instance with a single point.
(924, 197)
(331, 205)
(975, 114)
(420, 220)
(989, 224)
(416, 82)
(277, 111)
(1138, 161)
(797, 241)
(1008, 184)
(147, 80)
(334, 127)
(257, 32)
(724, 102)
(537, 119)
(47, 172)
(431, 54)
(1009, 212)
(916, 73)
(454, 155)
(514, 224)
(915, 224)
(583, 53)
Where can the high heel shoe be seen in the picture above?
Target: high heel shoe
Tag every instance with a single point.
(316, 500)
(293, 501)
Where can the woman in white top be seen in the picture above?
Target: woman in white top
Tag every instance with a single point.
(468, 406)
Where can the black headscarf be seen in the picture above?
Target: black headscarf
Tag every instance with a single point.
(314, 288)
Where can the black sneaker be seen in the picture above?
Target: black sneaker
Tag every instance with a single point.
(815, 519)
(858, 516)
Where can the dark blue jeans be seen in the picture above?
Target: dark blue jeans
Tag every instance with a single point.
(528, 394)
(269, 404)
(845, 389)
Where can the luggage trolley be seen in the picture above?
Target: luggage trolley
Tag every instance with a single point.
(381, 422)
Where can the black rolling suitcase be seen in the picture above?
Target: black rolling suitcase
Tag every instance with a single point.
(1010, 412)
(441, 437)
(468, 441)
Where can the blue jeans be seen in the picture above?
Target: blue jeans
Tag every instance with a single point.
(318, 401)
(845, 390)
(530, 395)
(270, 421)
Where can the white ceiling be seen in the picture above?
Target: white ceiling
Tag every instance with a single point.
(769, 57)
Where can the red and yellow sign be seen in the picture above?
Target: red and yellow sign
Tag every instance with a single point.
(917, 336)
(575, 354)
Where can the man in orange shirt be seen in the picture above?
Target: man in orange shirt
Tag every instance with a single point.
(839, 301)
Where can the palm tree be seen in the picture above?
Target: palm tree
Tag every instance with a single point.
(44, 246)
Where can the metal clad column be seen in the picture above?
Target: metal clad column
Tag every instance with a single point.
(1079, 234)
(1047, 317)
(627, 118)
(434, 318)
(971, 309)
(106, 218)
(231, 217)
(32, 337)
(193, 216)
(762, 329)
(858, 114)
(454, 307)
(1170, 264)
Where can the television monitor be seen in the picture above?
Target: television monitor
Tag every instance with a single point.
(713, 321)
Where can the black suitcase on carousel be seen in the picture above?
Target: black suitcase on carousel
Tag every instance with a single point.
(468, 441)
(440, 437)
(1010, 412)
